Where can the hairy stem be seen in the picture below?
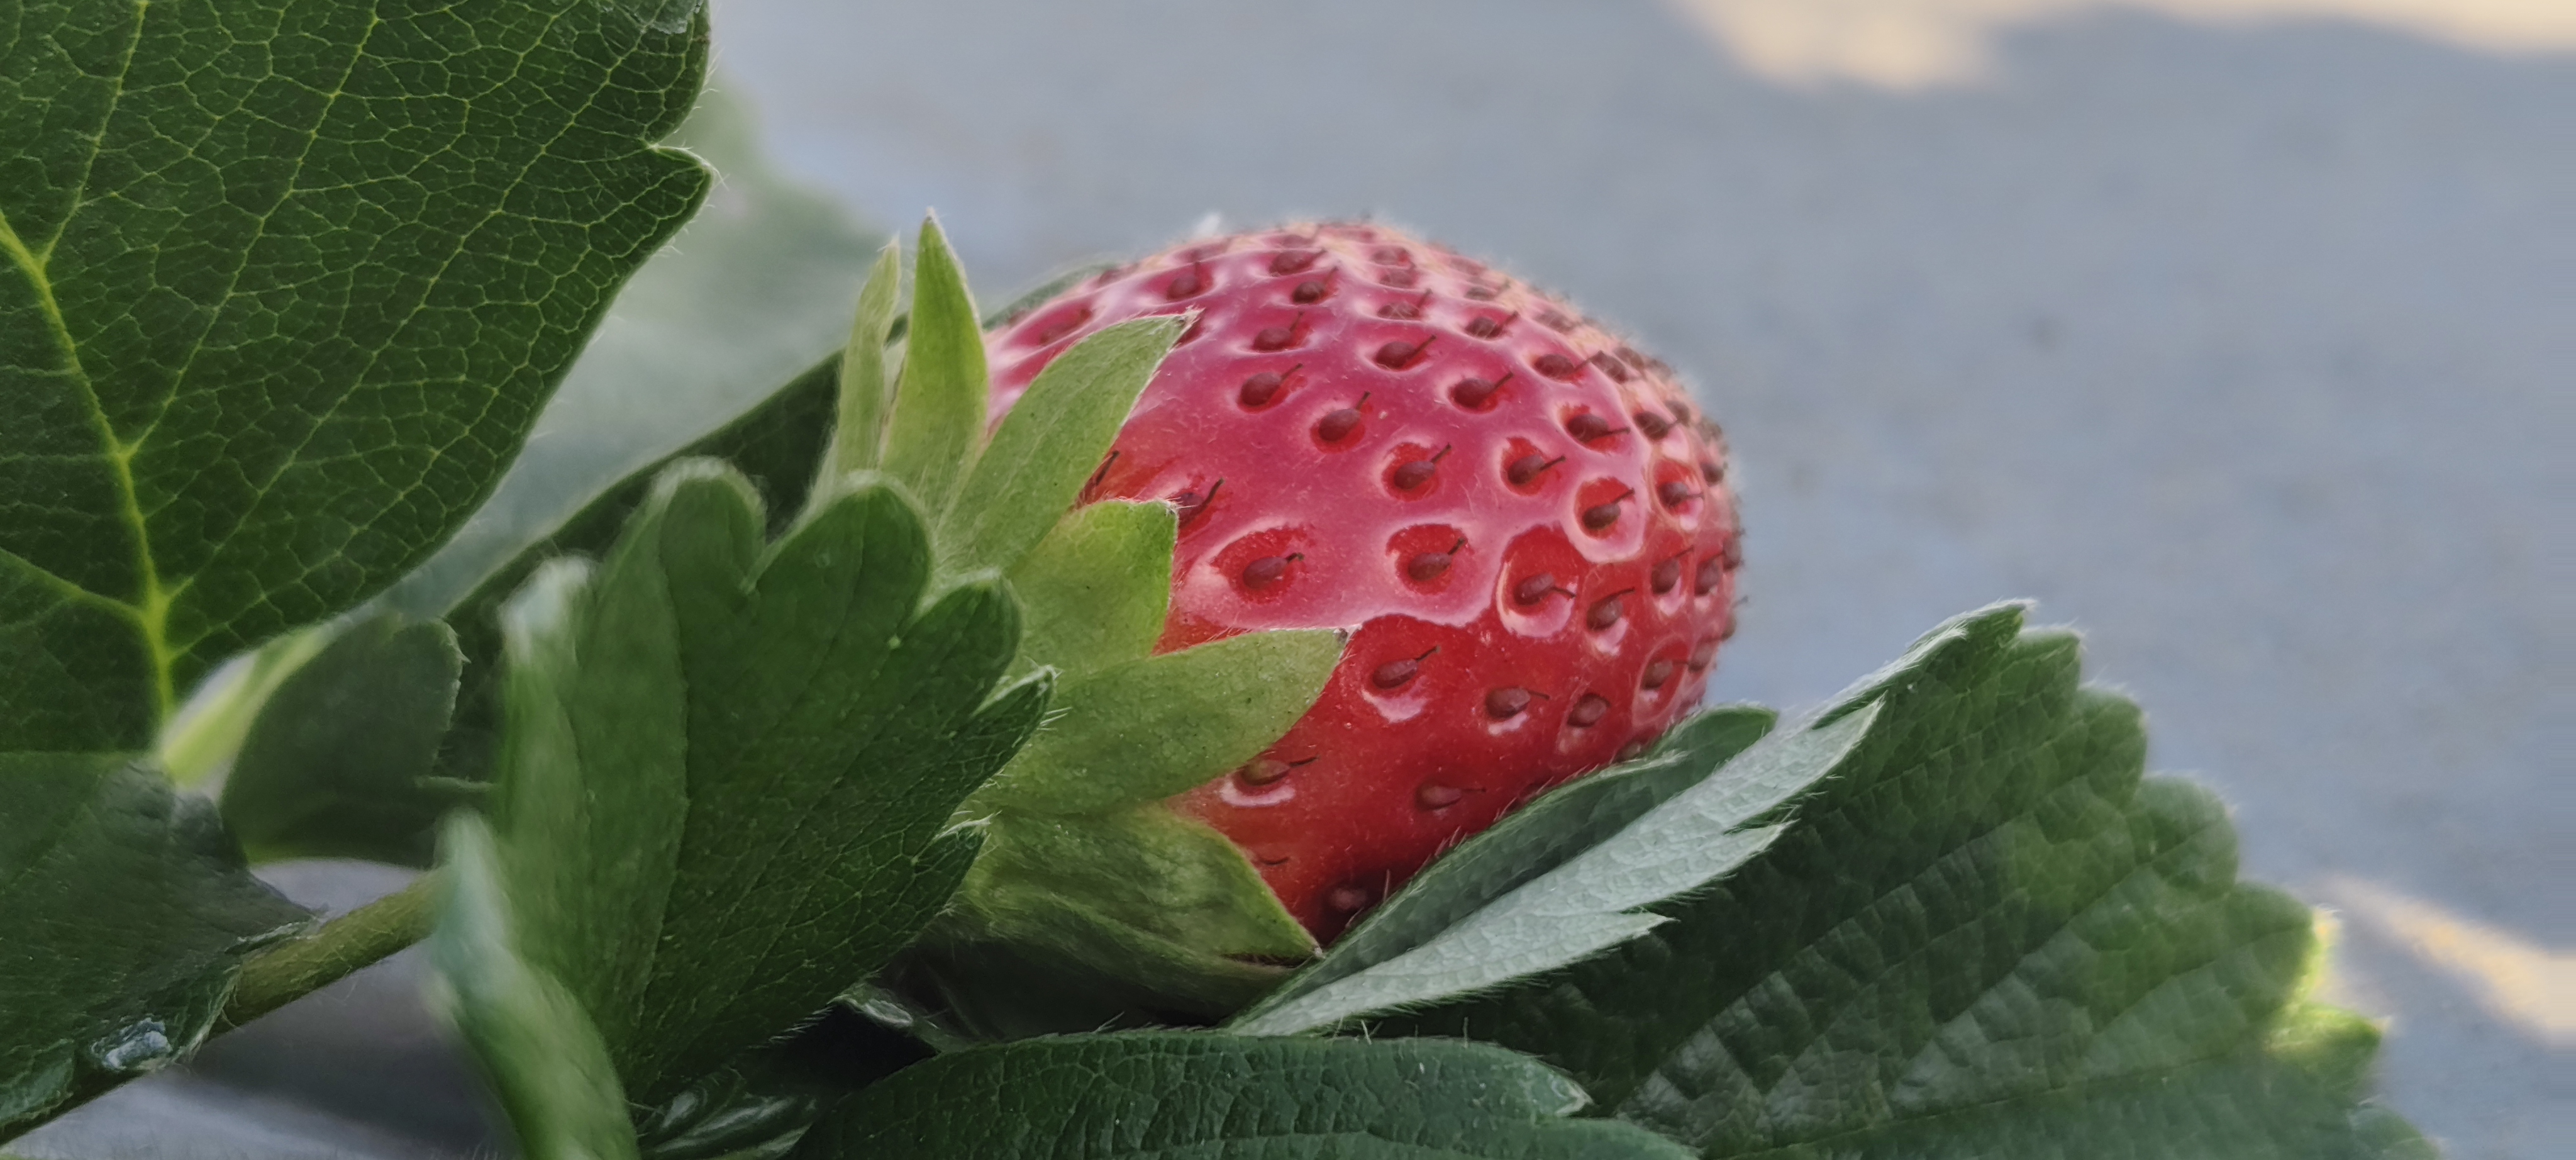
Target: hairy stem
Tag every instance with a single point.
(343, 945)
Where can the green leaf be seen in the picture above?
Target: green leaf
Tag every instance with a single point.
(1147, 729)
(282, 287)
(1589, 903)
(337, 764)
(751, 293)
(127, 911)
(544, 1059)
(1097, 588)
(774, 446)
(731, 768)
(594, 685)
(728, 308)
(741, 298)
(858, 438)
(1986, 936)
(1051, 443)
(1532, 841)
(939, 402)
(1192, 1094)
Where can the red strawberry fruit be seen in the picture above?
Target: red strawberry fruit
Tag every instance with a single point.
(1523, 521)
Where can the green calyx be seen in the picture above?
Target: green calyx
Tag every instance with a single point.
(1145, 729)
(1087, 882)
(1164, 905)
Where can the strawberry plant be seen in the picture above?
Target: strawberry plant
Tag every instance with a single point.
(1240, 701)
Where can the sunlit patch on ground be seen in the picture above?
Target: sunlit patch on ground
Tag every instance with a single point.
(2530, 986)
(1906, 44)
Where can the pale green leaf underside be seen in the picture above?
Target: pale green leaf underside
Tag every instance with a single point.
(542, 1055)
(282, 286)
(1176, 1095)
(124, 913)
(1987, 935)
(730, 767)
(1587, 904)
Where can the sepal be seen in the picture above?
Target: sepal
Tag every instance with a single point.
(1139, 908)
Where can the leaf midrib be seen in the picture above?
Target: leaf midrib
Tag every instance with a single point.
(286, 192)
(151, 614)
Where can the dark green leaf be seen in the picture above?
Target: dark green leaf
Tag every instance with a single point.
(752, 293)
(835, 696)
(282, 286)
(775, 446)
(1986, 936)
(127, 912)
(2255, 1103)
(937, 423)
(337, 764)
(743, 296)
(593, 686)
(1147, 729)
(544, 1059)
(1051, 443)
(731, 769)
(1191, 1094)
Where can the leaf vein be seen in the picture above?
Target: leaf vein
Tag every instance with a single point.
(376, 355)
(310, 134)
(72, 592)
(98, 140)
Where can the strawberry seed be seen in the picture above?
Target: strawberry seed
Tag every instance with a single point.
(1268, 570)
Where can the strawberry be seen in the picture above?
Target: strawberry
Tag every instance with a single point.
(1522, 520)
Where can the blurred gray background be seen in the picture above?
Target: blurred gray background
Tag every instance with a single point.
(2245, 344)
